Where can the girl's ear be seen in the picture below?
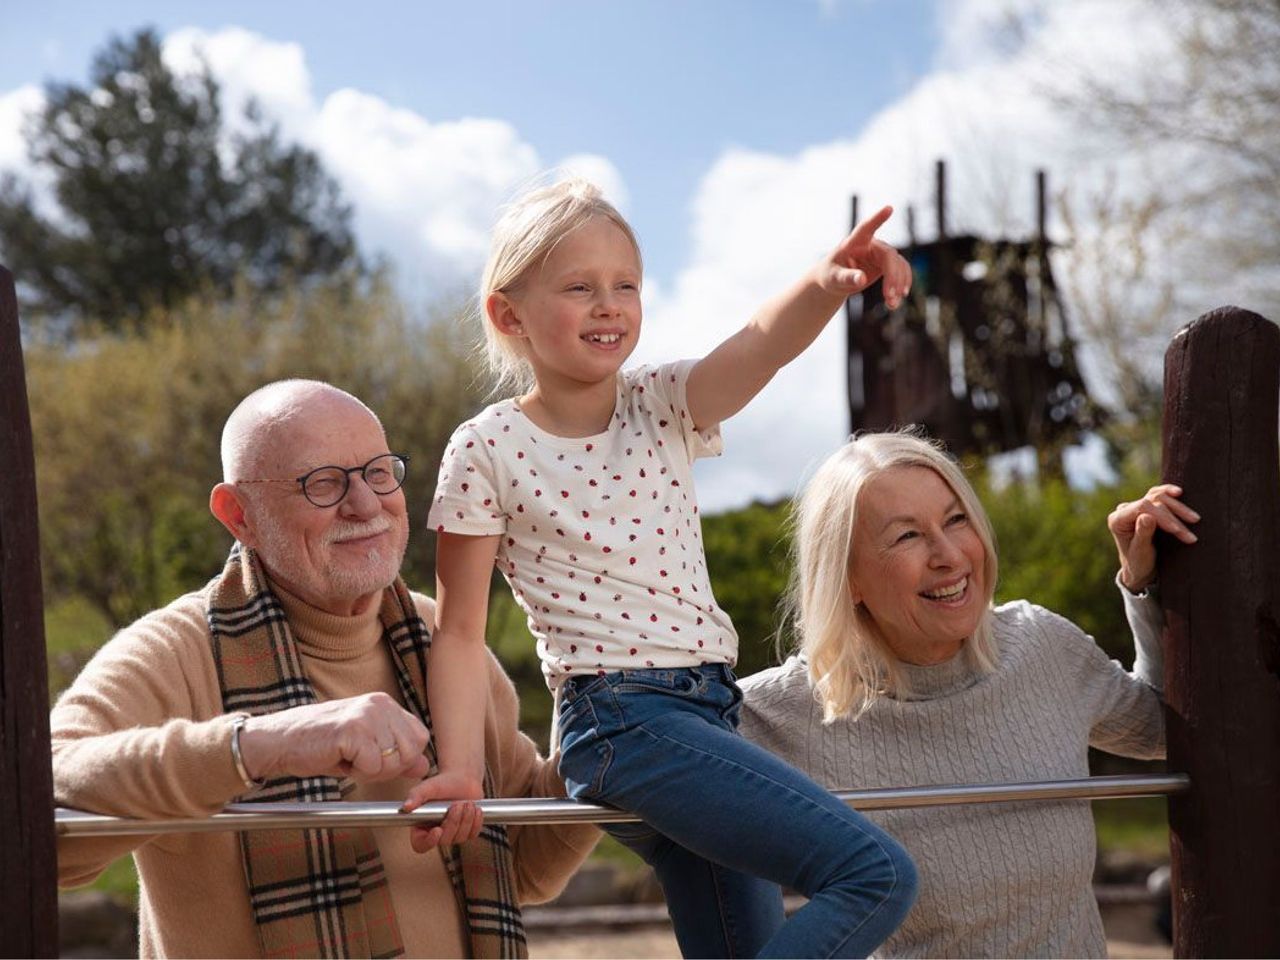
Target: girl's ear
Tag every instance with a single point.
(502, 314)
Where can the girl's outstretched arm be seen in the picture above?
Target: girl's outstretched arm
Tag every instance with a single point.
(457, 675)
(725, 380)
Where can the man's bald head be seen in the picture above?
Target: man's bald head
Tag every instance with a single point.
(337, 557)
(253, 434)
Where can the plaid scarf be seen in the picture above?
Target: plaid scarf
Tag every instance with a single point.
(324, 893)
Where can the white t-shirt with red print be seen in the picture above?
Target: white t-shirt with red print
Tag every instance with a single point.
(601, 539)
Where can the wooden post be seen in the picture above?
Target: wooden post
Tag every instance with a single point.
(1042, 209)
(940, 197)
(853, 375)
(28, 868)
(1222, 639)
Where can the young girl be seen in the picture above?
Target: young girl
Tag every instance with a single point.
(581, 492)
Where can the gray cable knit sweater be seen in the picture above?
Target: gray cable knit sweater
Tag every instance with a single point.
(996, 880)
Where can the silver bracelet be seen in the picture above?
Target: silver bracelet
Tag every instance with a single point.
(237, 725)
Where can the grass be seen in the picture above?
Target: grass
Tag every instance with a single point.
(1139, 826)
(611, 851)
(120, 880)
(73, 630)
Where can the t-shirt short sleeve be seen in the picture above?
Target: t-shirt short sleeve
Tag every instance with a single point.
(669, 383)
(466, 499)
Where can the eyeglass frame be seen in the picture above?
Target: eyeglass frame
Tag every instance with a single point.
(346, 479)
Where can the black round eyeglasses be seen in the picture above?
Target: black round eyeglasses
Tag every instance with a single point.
(326, 486)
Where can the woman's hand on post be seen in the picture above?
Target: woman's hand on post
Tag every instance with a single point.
(1133, 526)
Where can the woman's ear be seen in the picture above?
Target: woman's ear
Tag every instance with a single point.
(503, 314)
(854, 593)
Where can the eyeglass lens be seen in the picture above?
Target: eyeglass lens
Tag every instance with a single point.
(328, 485)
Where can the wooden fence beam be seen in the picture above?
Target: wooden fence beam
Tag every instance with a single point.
(1222, 640)
(28, 868)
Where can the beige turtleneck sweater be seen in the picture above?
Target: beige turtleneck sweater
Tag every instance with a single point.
(142, 733)
(1002, 879)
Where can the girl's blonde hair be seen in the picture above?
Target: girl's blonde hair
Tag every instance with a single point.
(526, 233)
(850, 664)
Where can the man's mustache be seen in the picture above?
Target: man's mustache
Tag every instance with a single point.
(347, 530)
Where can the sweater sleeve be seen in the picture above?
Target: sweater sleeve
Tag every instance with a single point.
(137, 734)
(1146, 620)
(1125, 714)
(544, 856)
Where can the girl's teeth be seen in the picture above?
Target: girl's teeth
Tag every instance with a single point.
(605, 337)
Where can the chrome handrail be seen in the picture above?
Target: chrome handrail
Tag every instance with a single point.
(274, 816)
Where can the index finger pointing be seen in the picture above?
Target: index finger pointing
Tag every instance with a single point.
(864, 231)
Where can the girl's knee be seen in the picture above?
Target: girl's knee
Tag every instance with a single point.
(906, 882)
(885, 871)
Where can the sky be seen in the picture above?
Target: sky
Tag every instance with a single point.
(732, 134)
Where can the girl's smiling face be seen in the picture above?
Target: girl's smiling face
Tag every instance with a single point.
(917, 564)
(578, 311)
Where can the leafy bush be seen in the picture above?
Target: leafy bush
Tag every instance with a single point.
(126, 430)
(1055, 550)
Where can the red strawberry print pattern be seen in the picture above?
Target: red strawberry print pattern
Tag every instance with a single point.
(615, 542)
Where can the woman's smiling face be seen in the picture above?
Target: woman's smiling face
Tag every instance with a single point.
(917, 564)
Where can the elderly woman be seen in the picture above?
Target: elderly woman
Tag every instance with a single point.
(907, 675)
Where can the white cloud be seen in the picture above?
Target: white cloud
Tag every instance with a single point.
(15, 107)
(248, 66)
(759, 219)
(425, 192)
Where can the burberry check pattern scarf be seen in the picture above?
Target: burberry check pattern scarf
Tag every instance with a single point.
(323, 893)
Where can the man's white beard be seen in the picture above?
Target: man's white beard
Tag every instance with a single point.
(334, 581)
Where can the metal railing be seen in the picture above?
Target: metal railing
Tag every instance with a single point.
(274, 816)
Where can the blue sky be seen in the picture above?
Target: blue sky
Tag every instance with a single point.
(731, 132)
(660, 87)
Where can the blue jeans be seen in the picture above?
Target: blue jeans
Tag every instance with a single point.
(726, 822)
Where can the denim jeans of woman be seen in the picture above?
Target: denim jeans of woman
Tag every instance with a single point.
(726, 822)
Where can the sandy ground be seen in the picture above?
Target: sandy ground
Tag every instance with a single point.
(657, 942)
(1130, 933)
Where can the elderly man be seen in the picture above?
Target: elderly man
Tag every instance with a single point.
(298, 674)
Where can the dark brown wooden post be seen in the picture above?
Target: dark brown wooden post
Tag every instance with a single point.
(1222, 639)
(853, 375)
(28, 870)
(940, 197)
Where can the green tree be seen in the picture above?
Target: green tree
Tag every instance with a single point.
(158, 201)
(1216, 91)
(1055, 551)
(127, 429)
(748, 561)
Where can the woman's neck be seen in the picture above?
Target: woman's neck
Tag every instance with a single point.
(925, 653)
(571, 409)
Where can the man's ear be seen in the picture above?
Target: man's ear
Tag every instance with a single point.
(502, 314)
(226, 503)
